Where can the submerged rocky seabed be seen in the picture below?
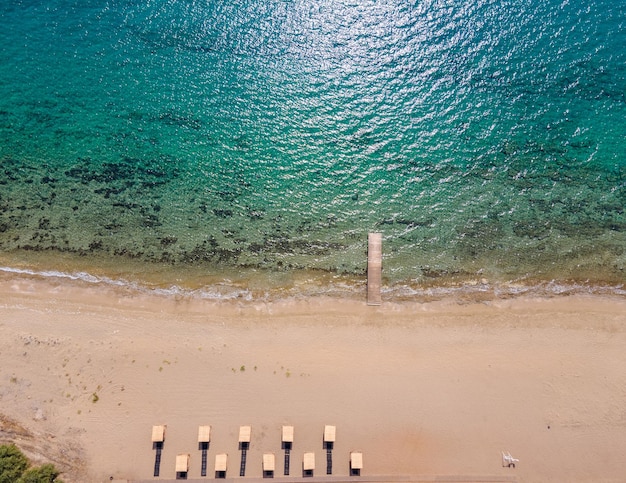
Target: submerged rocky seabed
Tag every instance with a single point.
(566, 225)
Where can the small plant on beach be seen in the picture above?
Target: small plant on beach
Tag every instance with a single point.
(95, 398)
(14, 468)
(12, 463)
(43, 474)
(242, 369)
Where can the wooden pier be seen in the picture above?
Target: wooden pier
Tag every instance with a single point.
(374, 268)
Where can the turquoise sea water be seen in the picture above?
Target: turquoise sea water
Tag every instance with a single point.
(249, 147)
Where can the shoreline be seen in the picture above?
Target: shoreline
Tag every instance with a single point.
(436, 388)
(269, 287)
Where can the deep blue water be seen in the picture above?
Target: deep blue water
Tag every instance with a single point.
(255, 144)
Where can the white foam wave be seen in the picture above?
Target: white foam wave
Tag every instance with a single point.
(222, 291)
(82, 276)
(227, 291)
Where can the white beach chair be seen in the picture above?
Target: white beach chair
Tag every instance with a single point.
(508, 460)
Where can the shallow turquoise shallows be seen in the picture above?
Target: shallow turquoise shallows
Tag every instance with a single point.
(204, 144)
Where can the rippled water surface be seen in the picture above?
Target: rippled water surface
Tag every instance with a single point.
(255, 144)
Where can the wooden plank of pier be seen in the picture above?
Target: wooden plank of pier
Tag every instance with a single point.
(374, 268)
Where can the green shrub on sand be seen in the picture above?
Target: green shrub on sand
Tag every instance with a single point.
(14, 468)
(12, 463)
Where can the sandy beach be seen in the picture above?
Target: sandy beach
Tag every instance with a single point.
(421, 389)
